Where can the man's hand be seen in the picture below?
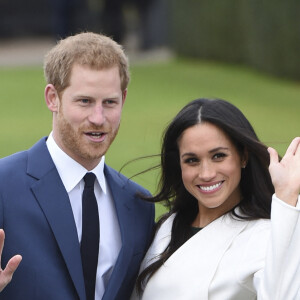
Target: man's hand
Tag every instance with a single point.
(13, 263)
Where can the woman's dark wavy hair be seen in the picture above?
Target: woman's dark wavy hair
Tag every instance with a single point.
(256, 186)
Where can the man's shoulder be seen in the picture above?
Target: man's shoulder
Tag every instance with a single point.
(12, 170)
(18, 159)
(13, 159)
(124, 181)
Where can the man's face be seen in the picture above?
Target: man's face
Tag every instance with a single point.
(88, 113)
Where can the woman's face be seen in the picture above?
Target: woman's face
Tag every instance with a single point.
(211, 168)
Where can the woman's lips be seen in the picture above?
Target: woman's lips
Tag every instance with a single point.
(210, 188)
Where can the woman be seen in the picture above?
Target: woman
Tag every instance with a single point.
(217, 241)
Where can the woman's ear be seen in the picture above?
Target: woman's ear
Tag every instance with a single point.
(51, 97)
(244, 159)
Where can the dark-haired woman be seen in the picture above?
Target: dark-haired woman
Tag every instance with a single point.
(232, 231)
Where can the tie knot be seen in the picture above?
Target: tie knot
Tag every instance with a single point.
(89, 179)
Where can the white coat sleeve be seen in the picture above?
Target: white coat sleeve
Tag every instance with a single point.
(280, 277)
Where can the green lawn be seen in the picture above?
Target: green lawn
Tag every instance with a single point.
(156, 93)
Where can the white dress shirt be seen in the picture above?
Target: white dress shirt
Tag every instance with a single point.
(71, 174)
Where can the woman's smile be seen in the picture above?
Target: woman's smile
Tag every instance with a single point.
(210, 188)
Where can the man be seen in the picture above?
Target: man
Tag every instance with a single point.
(42, 190)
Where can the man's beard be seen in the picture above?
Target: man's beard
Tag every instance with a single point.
(77, 145)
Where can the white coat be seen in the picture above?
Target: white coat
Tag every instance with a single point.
(231, 259)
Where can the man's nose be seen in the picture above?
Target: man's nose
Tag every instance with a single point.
(97, 115)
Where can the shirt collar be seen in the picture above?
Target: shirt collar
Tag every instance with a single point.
(70, 171)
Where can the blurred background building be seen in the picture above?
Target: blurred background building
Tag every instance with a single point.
(262, 34)
(143, 22)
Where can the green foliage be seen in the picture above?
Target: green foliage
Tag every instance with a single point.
(156, 93)
(263, 34)
(206, 29)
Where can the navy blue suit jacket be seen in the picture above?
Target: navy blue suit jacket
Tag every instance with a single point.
(37, 217)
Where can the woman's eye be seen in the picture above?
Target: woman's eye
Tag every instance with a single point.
(219, 155)
(190, 160)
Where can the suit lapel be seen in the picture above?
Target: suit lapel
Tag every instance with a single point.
(54, 202)
(123, 204)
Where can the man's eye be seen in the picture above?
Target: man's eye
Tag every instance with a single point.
(85, 101)
(110, 102)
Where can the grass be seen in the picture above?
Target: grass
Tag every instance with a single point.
(156, 93)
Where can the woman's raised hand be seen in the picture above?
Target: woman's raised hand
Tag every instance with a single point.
(285, 173)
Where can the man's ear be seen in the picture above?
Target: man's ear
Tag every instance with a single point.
(51, 97)
(124, 95)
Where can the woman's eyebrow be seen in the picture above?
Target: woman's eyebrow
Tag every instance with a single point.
(218, 149)
(188, 154)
